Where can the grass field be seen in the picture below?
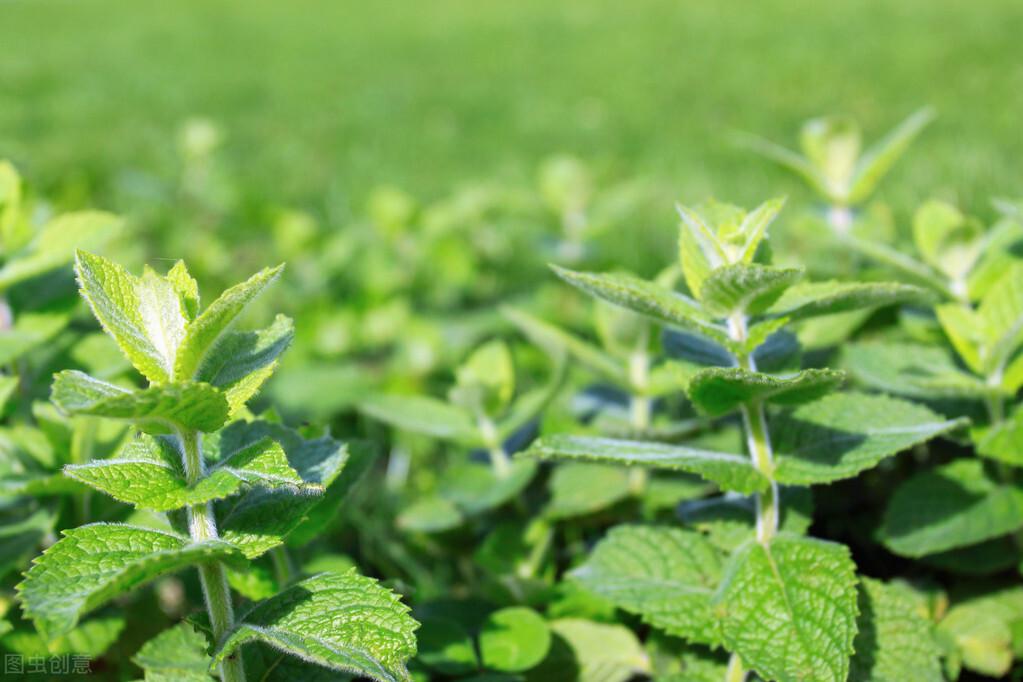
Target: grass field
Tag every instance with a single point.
(319, 97)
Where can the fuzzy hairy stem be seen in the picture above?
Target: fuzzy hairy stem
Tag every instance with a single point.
(202, 525)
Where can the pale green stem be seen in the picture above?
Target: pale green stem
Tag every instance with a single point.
(736, 672)
(284, 570)
(499, 459)
(758, 441)
(202, 525)
(640, 407)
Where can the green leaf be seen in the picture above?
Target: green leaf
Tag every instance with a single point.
(664, 575)
(186, 287)
(947, 240)
(342, 621)
(699, 249)
(31, 330)
(879, 158)
(911, 369)
(177, 654)
(1000, 315)
(242, 361)
(206, 331)
(754, 227)
(832, 144)
(746, 288)
(716, 391)
(843, 434)
(422, 414)
(514, 639)
(485, 383)
(1004, 441)
(262, 518)
(55, 243)
(21, 536)
(445, 646)
(955, 505)
(731, 472)
(431, 514)
(985, 630)
(148, 474)
(146, 323)
(646, 298)
(812, 299)
(786, 158)
(157, 408)
(963, 329)
(600, 652)
(476, 488)
(789, 608)
(555, 340)
(895, 641)
(578, 489)
(92, 564)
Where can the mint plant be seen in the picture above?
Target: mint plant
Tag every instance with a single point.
(833, 164)
(233, 488)
(786, 606)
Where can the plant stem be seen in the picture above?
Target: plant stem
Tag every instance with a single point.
(202, 525)
(736, 672)
(758, 441)
(499, 459)
(284, 570)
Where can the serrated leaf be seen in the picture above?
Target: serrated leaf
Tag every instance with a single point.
(895, 641)
(422, 414)
(94, 563)
(243, 361)
(812, 299)
(157, 408)
(148, 474)
(261, 519)
(177, 654)
(137, 317)
(646, 298)
(664, 575)
(955, 505)
(843, 434)
(716, 391)
(730, 472)
(882, 155)
(342, 621)
(556, 340)
(912, 370)
(788, 609)
(204, 333)
(746, 288)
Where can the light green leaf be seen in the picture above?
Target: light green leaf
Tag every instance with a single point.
(55, 243)
(514, 639)
(485, 383)
(754, 227)
(664, 575)
(699, 249)
(911, 369)
(177, 654)
(985, 630)
(342, 621)
(148, 474)
(811, 299)
(895, 641)
(947, 240)
(600, 652)
(422, 414)
(746, 288)
(445, 646)
(555, 340)
(955, 505)
(93, 564)
(431, 514)
(832, 144)
(880, 157)
(731, 472)
(113, 294)
(963, 329)
(186, 287)
(242, 361)
(646, 298)
(476, 488)
(909, 267)
(1000, 315)
(787, 159)
(845, 433)
(789, 608)
(21, 536)
(717, 390)
(31, 330)
(578, 489)
(205, 332)
(262, 518)
(1004, 441)
(157, 408)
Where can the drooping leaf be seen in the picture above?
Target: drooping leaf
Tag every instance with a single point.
(203, 334)
(955, 505)
(731, 472)
(514, 639)
(746, 288)
(717, 391)
(342, 621)
(177, 654)
(94, 563)
(812, 299)
(789, 608)
(157, 408)
(664, 575)
(894, 641)
(422, 414)
(912, 370)
(843, 434)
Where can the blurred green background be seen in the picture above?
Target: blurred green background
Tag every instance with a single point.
(318, 97)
